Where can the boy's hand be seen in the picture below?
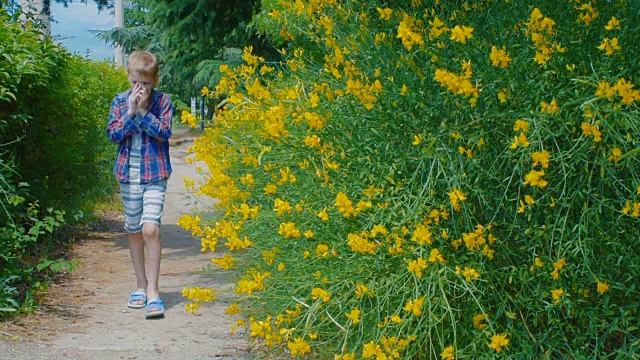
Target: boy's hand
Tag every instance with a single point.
(144, 100)
(134, 100)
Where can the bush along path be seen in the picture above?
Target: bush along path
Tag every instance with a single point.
(85, 315)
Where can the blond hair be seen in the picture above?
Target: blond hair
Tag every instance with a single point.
(143, 63)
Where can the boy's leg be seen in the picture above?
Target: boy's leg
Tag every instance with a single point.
(151, 234)
(154, 195)
(136, 248)
(132, 196)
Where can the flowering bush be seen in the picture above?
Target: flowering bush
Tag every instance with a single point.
(432, 180)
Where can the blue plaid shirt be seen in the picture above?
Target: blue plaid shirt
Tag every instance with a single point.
(155, 129)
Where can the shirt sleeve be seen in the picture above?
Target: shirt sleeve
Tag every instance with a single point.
(159, 127)
(120, 124)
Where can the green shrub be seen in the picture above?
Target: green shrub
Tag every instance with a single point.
(66, 137)
(54, 153)
(434, 180)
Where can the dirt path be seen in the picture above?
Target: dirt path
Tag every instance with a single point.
(85, 315)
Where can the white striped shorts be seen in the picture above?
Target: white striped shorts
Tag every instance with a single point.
(142, 203)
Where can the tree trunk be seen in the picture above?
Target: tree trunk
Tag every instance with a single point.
(119, 17)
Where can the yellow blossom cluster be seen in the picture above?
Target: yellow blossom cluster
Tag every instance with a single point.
(456, 196)
(540, 28)
(623, 88)
(390, 349)
(408, 33)
(457, 84)
(188, 118)
(196, 296)
(499, 57)
(251, 282)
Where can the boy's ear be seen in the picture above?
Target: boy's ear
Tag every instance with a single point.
(156, 80)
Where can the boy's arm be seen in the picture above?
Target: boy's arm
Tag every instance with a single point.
(120, 123)
(159, 127)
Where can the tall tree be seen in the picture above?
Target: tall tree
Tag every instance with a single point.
(184, 34)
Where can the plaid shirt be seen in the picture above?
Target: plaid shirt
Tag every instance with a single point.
(155, 127)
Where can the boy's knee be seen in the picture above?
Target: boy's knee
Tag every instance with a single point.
(150, 231)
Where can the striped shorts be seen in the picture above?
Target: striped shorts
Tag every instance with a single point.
(142, 203)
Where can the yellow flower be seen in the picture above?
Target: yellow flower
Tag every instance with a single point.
(270, 189)
(456, 196)
(502, 96)
(613, 24)
(289, 230)
(416, 266)
(354, 315)
(421, 235)
(318, 293)
(615, 155)
(371, 349)
(520, 140)
(550, 108)
(609, 46)
(448, 353)
(468, 273)
(499, 341)
(312, 141)
(478, 319)
(282, 207)
(605, 89)
(385, 14)
(299, 346)
(226, 262)
(404, 90)
(361, 289)
(345, 206)
(534, 178)
(521, 125)
(414, 306)
(396, 319)
(529, 200)
(232, 309)
(323, 214)
(350, 356)
(499, 57)
(588, 129)
(281, 267)
(322, 250)
(541, 157)
(461, 33)
(417, 139)
(602, 287)
(436, 256)
(556, 294)
(407, 34)
(187, 117)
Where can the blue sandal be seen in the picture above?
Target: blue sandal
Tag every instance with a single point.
(155, 308)
(137, 296)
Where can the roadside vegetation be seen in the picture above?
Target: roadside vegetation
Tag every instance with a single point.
(431, 180)
(55, 160)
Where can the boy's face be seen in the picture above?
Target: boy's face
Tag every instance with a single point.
(148, 82)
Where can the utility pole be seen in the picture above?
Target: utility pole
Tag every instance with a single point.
(119, 14)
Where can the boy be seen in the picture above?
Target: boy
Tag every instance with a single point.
(140, 122)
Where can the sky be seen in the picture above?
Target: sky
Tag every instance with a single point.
(72, 25)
